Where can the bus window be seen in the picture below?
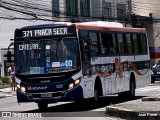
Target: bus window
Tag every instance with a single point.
(129, 44)
(143, 44)
(135, 43)
(113, 46)
(121, 44)
(108, 44)
(94, 46)
(139, 44)
(84, 42)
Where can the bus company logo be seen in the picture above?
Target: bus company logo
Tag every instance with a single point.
(37, 88)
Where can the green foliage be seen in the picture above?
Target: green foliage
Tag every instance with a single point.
(5, 80)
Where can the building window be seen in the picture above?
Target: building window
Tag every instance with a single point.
(84, 8)
(121, 10)
(71, 7)
(55, 8)
(106, 9)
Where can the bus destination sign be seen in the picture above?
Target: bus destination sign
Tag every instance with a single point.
(45, 32)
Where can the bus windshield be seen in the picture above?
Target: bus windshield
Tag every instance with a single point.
(47, 56)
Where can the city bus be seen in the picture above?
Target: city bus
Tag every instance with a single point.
(62, 62)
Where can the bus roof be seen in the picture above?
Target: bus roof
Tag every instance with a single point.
(54, 24)
(108, 26)
(102, 23)
(95, 25)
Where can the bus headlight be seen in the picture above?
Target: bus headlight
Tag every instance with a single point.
(23, 89)
(77, 81)
(73, 84)
(18, 86)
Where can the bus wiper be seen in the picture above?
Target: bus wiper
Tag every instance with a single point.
(57, 45)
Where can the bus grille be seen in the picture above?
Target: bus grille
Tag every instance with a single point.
(58, 94)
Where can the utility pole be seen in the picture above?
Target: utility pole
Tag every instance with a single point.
(129, 7)
(129, 11)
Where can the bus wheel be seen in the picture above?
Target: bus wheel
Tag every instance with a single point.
(96, 95)
(42, 106)
(152, 80)
(131, 92)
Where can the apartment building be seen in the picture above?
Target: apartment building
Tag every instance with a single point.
(91, 10)
(144, 8)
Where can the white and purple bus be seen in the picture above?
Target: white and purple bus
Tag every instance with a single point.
(74, 61)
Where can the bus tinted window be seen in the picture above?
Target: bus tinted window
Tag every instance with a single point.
(121, 44)
(135, 43)
(139, 44)
(108, 44)
(84, 43)
(129, 44)
(94, 44)
(143, 43)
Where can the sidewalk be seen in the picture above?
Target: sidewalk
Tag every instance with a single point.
(146, 108)
(7, 92)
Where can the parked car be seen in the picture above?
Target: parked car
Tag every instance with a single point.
(155, 75)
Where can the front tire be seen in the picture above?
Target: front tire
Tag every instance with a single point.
(96, 95)
(153, 80)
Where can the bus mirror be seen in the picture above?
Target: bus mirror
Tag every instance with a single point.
(9, 56)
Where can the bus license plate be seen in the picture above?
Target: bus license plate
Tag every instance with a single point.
(46, 95)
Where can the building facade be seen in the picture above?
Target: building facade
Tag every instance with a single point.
(91, 10)
(146, 8)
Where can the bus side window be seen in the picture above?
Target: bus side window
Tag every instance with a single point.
(94, 43)
(84, 42)
(104, 44)
(121, 44)
(113, 45)
(135, 43)
(139, 44)
(143, 43)
(108, 44)
(129, 44)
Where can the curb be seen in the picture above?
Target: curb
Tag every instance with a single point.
(151, 98)
(129, 114)
(120, 112)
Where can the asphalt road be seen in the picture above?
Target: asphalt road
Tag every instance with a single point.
(73, 110)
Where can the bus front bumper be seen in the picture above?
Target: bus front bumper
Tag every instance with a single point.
(71, 95)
